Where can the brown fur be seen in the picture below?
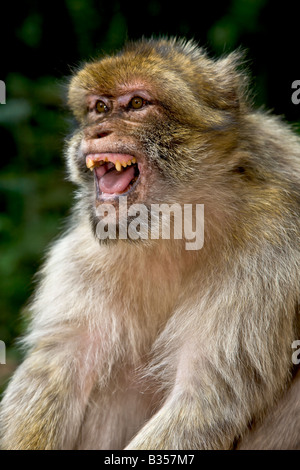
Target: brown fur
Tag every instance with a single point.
(280, 429)
(146, 345)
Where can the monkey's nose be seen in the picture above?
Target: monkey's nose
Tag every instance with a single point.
(97, 132)
(99, 135)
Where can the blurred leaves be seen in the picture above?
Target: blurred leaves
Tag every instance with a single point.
(34, 195)
(243, 16)
(31, 30)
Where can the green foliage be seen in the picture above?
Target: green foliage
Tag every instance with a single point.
(34, 193)
(242, 16)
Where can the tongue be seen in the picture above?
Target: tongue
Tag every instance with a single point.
(116, 181)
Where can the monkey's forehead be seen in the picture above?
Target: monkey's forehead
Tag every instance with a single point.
(117, 75)
(112, 75)
(171, 71)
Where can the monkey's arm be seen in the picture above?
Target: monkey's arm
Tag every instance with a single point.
(207, 416)
(45, 401)
(206, 413)
(280, 430)
(233, 360)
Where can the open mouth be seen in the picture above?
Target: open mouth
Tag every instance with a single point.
(115, 173)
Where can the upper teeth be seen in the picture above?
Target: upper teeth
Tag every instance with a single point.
(91, 164)
(118, 165)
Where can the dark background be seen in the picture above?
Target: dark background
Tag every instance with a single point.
(41, 42)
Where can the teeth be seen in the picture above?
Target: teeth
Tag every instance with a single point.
(91, 164)
(119, 165)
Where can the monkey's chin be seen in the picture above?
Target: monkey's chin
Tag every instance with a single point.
(110, 230)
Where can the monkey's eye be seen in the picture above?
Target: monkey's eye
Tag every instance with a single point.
(137, 102)
(101, 107)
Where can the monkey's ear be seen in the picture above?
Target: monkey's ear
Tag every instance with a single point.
(229, 90)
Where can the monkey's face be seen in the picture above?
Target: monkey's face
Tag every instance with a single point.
(115, 144)
(148, 119)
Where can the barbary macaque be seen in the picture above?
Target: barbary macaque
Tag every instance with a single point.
(139, 342)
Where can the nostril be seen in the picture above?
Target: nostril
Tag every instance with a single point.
(102, 134)
(96, 132)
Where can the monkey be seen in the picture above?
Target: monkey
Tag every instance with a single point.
(280, 428)
(140, 343)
